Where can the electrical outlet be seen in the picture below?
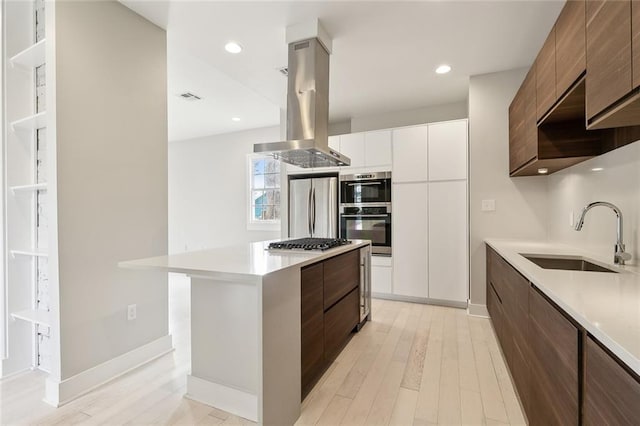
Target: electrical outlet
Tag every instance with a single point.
(132, 312)
(488, 205)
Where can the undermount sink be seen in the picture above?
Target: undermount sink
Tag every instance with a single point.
(566, 263)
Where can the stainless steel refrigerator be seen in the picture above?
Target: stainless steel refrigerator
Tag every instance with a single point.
(313, 207)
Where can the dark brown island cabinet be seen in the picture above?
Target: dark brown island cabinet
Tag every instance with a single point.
(562, 374)
(330, 312)
(581, 97)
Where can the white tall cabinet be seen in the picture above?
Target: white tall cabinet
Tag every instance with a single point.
(430, 213)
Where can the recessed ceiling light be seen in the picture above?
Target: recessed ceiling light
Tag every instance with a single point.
(443, 69)
(233, 47)
(235, 118)
(543, 170)
(597, 169)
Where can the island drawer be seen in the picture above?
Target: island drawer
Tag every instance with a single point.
(339, 321)
(341, 275)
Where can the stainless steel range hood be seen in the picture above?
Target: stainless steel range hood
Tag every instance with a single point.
(307, 143)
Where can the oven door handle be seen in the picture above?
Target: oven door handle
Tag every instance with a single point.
(364, 183)
(365, 215)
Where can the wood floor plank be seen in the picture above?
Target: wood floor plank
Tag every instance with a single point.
(335, 411)
(382, 408)
(471, 407)
(414, 364)
(210, 421)
(352, 383)
(509, 397)
(361, 405)
(404, 408)
(322, 394)
(429, 393)
(466, 357)
(490, 392)
(449, 406)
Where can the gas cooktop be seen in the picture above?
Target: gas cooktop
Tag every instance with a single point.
(320, 244)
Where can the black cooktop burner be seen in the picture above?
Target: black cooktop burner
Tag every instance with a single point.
(309, 244)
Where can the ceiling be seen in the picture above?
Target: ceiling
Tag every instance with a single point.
(384, 54)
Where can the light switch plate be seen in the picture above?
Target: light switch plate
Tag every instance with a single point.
(488, 205)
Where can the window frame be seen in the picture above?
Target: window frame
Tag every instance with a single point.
(252, 223)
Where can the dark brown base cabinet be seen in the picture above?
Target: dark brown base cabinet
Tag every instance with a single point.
(611, 393)
(561, 374)
(330, 310)
(553, 390)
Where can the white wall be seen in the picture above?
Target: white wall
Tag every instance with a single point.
(619, 183)
(111, 149)
(521, 203)
(208, 190)
(391, 119)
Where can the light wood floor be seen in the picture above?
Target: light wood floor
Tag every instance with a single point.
(412, 365)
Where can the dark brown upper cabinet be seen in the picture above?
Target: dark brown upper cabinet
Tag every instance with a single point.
(523, 134)
(587, 89)
(609, 73)
(571, 48)
(559, 141)
(635, 41)
(546, 75)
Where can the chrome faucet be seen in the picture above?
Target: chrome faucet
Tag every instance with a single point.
(620, 256)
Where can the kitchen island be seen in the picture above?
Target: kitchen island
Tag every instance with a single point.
(246, 325)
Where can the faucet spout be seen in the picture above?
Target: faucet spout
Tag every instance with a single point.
(620, 256)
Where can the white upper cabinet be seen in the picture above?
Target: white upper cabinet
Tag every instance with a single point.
(448, 150)
(410, 154)
(334, 142)
(410, 240)
(448, 234)
(377, 148)
(352, 145)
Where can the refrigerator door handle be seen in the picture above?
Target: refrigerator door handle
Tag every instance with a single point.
(313, 226)
(309, 214)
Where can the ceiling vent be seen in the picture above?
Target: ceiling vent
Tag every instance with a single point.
(284, 71)
(188, 96)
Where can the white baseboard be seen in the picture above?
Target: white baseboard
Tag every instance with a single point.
(478, 310)
(423, 300)
(58, 393)
(222, 397)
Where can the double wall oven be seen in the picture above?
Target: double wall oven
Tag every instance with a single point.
(365, 209)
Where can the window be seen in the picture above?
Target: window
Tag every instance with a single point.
(264, 191)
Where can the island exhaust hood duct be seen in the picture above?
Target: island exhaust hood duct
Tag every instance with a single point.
(307, 143)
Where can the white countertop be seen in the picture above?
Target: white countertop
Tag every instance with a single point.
(237, 263)
(607, 305)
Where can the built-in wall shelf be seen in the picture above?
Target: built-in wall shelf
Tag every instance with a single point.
(29, 253)
(33, 122)
(35, 316)
(31, 57)
(29, 188)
